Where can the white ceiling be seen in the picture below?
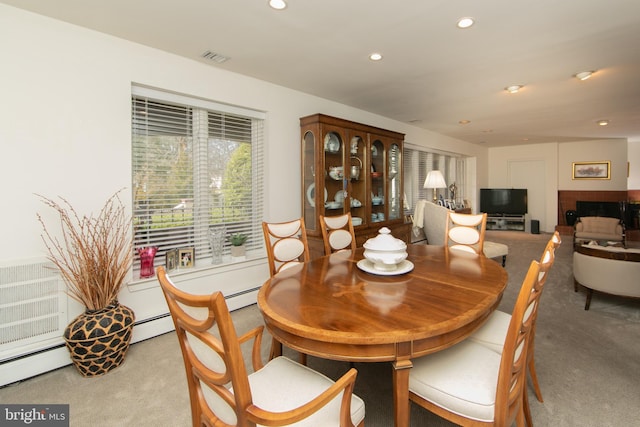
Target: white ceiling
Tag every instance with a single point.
(432, 74)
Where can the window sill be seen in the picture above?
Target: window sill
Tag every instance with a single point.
(203, 268)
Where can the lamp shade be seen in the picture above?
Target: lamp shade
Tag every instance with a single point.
(435, 180)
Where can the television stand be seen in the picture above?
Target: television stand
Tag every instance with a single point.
(505, 222)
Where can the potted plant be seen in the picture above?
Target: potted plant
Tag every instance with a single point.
(94, 255)
(237, 245)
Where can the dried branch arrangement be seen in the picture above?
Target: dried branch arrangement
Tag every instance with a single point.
(94, 253)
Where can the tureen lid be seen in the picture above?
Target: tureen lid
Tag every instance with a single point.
(384, 241)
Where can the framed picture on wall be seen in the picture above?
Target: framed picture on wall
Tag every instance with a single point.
(592, 170)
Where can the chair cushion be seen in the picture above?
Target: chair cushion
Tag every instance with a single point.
(599, 224)
(599, 228)
(283, 384)
(462, 379)
(339, 239)
(494, 331)
(495, 250)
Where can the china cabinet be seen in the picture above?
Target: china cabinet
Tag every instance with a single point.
(351, 167)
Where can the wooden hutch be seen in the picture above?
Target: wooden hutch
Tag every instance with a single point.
(351, 167)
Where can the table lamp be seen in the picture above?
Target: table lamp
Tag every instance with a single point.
(435, 180)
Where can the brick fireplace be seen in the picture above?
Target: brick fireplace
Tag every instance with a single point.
(567, 200)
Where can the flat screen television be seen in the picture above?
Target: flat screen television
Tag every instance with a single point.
(503, 201)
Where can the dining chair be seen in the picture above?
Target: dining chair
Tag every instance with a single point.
(493, 332)
(472, 385)
(337, 233)
(465, 231)
(222, 392)
(286, 244)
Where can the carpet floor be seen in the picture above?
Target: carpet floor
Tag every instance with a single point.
(588, 363)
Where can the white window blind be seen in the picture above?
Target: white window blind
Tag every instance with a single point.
(197, 166)
(418, 162)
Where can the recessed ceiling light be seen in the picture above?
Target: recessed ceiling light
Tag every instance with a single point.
(603, 122)
(465, 22)
(584, 75)
(513, 88)
(464, 122)
(375, 56)
(277, 4)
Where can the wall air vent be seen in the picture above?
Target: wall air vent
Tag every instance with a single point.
(215, 57)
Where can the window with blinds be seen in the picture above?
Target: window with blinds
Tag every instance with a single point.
(197, 167)
(418, 162)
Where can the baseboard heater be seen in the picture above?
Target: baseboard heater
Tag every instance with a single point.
(30, 356)
(44, 360)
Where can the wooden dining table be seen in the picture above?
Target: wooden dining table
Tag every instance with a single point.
(331, 308)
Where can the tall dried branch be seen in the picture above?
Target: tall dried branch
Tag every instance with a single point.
(94, 253)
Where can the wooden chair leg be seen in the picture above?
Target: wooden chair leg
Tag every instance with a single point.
(520, 418)
(534, 379)
(526, 409)
(303, 359)
(276, 349)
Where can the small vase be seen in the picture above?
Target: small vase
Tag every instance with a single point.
(147, 255)
(571, 216)
(98, 340)
(216, 241)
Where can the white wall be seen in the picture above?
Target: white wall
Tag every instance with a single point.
(501, 176)
(633, 154)
(558, 159)
(613, 150)
(65, 130)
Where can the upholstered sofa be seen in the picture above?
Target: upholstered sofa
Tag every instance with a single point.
(608, 269)
(432, 218)
(598, 228)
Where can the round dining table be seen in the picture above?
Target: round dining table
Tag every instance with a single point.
(340, 307)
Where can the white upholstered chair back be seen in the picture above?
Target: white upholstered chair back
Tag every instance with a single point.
(286, 244)
(337, 233)
(466, 231)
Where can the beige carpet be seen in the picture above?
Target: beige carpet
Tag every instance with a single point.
(588, 363)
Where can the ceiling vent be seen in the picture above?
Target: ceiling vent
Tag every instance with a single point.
(215, 57)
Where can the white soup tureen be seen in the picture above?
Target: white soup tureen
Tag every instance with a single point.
(385, 251)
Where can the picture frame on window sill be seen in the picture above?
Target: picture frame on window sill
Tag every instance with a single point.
(171, 259)
(186, 257)
(591, 170)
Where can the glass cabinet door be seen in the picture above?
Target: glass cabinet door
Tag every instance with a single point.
(310, 199)
(358, 176)
(377, 194)
(335, 175)
(394, 177)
